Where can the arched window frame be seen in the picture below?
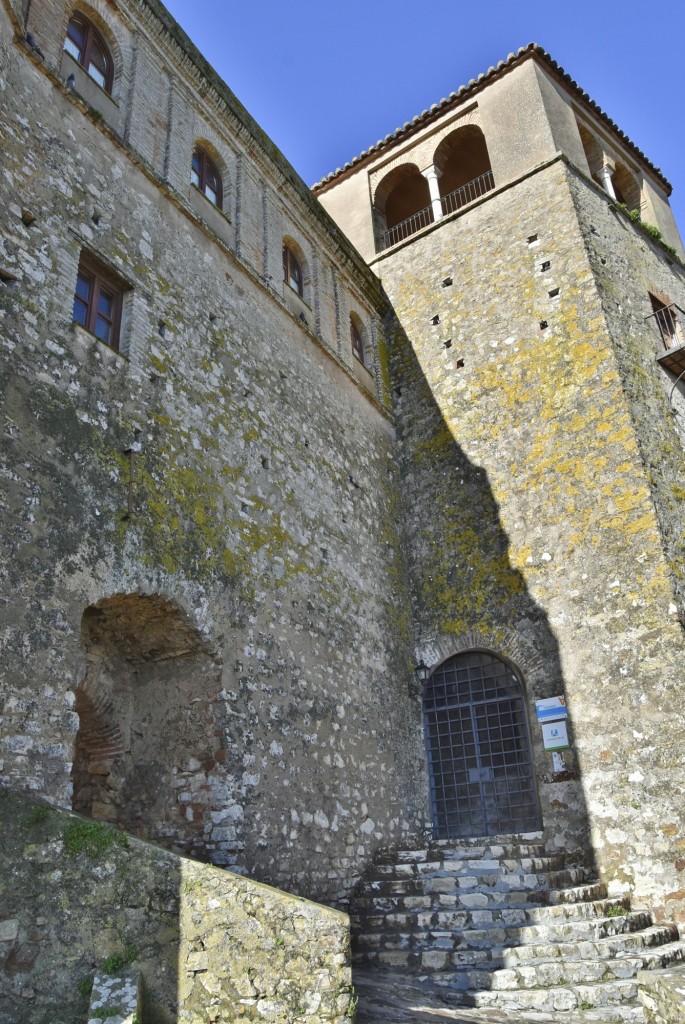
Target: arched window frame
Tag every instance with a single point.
(206, 177)
(293, 273)
(80, 42)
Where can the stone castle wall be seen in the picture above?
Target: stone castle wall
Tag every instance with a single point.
(531, 518)
(203, 554)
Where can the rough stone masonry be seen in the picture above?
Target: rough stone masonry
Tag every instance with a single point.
(254, 476)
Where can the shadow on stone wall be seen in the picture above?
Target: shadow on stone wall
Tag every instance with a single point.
(78, 899)
(467, 593)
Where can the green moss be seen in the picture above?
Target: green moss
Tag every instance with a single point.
(37, 815)
(115, 963)
(90, 837)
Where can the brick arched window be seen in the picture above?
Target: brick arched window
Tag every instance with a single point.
(205, 176)
(85, 44)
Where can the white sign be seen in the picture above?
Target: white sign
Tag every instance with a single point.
(552, 709)
(555, 735)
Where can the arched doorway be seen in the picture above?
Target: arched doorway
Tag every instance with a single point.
(149, 751)
(479, 755)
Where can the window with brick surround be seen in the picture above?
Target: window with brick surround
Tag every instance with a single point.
(205, 176)
(85, 44)
(98, 299)
(292, 271)
(358, 348)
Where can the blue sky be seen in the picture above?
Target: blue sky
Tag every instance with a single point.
(326, 81)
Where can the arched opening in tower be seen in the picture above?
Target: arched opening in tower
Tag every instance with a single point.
(593, 152)
(402, 204)
(626, 188)
(149, 749)
(463, 163)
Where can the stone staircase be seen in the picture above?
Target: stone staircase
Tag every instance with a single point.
(499, 923)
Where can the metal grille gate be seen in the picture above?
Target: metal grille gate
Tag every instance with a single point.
(481, 770)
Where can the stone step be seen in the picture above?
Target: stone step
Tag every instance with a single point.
(449, 850)
(552, 973)
(441, 961)
(462, 918)
(414, 885)
(577, 893)
(486, 898)
(396, 992)
(486, 867)
(571, 997)
(389, 934)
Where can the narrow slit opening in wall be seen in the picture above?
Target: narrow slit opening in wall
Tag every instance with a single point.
(460, 364)
(446, 282)
(532, 239)
(546, 265)
(265, 462)
(435, 320)
(553, 293)
(447, 344)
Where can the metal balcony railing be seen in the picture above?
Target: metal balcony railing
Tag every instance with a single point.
(668, 323)
(467, 193)
(454, 201)
(406, 228)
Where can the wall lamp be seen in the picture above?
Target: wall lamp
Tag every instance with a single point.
(422, 672)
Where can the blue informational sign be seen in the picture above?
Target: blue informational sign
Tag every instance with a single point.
(555, 736)
(552, 709)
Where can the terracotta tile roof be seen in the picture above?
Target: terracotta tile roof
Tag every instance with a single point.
(476, 85)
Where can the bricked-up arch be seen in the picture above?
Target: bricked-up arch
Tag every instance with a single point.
(479, 752)
(462, 157)
(401, 194)
(150, 742)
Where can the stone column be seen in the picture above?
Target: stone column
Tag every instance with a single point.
(605, 178)
(431, 174)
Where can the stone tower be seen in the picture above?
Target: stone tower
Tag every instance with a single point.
(531, 258)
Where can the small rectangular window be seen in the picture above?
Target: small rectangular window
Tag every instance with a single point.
(98, 299)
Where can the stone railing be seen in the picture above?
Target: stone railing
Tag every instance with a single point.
(81, 900)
